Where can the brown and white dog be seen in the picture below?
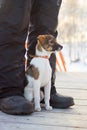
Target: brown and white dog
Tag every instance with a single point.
(39, 72)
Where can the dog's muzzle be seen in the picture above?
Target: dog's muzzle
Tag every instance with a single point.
(57, 47)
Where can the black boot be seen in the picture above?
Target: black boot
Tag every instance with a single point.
(16, 105)
(57, 100)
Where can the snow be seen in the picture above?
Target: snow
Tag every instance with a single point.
(77, 65)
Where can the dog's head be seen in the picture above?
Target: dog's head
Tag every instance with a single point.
(49, 43)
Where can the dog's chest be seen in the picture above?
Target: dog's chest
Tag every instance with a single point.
(44, 68)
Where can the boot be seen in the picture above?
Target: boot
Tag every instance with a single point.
(16, 105)
(57, 100)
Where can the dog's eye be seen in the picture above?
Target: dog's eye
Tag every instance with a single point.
(51, 43)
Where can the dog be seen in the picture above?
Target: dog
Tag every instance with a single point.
(39, 72)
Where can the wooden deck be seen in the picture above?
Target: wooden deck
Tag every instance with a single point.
(74, 118)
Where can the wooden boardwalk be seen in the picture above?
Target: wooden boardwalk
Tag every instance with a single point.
(74, 118)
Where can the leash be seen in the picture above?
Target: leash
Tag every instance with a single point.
(60, 62)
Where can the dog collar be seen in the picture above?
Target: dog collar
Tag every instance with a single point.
(34, 56)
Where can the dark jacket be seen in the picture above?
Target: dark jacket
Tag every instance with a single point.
(15, 14)
(14, 19)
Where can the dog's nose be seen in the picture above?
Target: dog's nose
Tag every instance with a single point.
(60, 47)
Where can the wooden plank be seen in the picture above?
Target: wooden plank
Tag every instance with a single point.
(80, 102)
(12, 126)
(68, 114)
(77, 94)
(71, 80)
(47, 121)
(71, 76)
(71, 85)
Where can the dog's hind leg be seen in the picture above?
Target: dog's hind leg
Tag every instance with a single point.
(47, 89)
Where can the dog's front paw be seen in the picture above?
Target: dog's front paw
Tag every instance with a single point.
(37, 109)
(49, 108)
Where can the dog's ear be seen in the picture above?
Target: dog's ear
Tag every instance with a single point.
(41, 38)
(40, 41)
(39, 46)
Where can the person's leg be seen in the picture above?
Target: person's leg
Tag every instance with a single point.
(57, 100)
(14, 22)
(44, 20)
